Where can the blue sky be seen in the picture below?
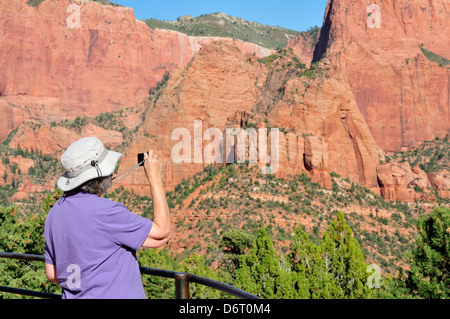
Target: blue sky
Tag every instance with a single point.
(297, 15)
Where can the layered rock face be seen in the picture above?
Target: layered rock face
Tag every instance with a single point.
(369, 90)
(440, 179)
(303, 46)
(394, 181)
(403, 96)
(65, 59)
(99, 64)
(387, 53)
(321, 129)
(219, 82)
(319, 108)
(54, 140)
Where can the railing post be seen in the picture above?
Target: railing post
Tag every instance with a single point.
(182, 286)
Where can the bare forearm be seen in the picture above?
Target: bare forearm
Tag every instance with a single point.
(161, 211)
(161, 230)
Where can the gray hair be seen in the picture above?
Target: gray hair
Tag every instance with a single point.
(97, 186)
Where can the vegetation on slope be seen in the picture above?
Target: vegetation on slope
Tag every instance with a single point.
(238, 198)
(36, 3)
(433, 57)
(431, 156)
(222, 25)
(332, 268)
(107, 2)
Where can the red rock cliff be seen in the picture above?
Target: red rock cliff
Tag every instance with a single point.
(62, 59)
(371, 90)
(321, 128)
(403, 96)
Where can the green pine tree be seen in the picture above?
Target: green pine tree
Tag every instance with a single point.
(196, 265)
(312, 264)
(344, 260)
(234, 243)
(259, 271)
(157, 287)
(303, 258)
(25, 237)
(393, 288)
(289, 281)
(430, 265)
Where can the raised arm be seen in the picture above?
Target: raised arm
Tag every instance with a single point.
(162, 224)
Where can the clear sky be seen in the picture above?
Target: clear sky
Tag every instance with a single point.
(297, 15)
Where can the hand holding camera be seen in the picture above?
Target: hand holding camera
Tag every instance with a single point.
(152, 166)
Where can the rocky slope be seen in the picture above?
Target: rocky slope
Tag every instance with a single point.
(331, 95)
(304, 45)
(321, 129)
(220, 24)
(373, 57)
(218, 83)
(56, 67)
(409, 47)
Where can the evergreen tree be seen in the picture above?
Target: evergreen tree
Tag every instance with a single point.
(309, 262)
(344, 260)
(259, 271)
(303, 259)
(157, 287)
(9, 221)
(430, 265)
(25, 237)
(392, 288)
(288, 283)
(196, 265)
(234, 243)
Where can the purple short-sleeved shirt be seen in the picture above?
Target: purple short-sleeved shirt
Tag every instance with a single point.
(92, 241)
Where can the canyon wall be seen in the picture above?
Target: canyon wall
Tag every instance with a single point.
(65, 59)
(403, 96)
(371, 88)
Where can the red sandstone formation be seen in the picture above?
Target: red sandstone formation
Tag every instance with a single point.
(371, 89)
(321, 127)
(303, 46)
(403, 96)
(54, 140)
(53, 68)
(219, 82)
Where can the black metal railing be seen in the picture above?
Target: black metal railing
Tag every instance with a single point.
(182, 281)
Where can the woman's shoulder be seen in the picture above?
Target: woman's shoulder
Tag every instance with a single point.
(112, 204)
(95, 201)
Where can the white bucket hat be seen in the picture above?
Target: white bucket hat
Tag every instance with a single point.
(84, 160)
